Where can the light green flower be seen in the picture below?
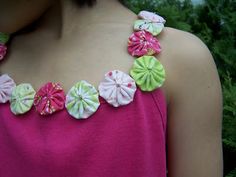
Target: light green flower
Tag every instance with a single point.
(147, 25)
(82, 100)
(148, 73)
(22, 98)
(4, 38)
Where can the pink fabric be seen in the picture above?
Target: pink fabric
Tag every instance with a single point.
(143, 43)
(49, 98)
(3, 51)
(128, 141)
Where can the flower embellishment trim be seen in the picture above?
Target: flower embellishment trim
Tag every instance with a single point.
(116, 88)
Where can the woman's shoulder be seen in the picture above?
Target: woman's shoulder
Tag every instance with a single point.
(188, 63)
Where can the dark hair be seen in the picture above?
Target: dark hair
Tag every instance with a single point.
(85, 2)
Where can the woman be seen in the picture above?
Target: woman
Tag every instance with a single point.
(71, 43)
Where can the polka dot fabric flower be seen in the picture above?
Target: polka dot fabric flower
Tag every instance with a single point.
(82, 100)
(22, 98)
(149, 26)
(6, 86)
(148, 73)
(117, 88)
(151, 16)
(143, 43)
(49, 98)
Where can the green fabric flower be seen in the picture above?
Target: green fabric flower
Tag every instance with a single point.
(147, 25)
(148, 73)
(22, 98)
(4, 38)
(82, 100)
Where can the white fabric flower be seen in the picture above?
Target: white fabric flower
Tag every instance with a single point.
(117, 88)
(6, 86)
(151, 16)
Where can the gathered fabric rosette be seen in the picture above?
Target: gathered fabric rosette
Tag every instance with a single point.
(22, 98)
(146, 15)
(143, 43)
(149, 26)
(148, 73)
(117, 88)
(4, 38)
(82, 100)
(6, 86)
(49, 99)
(3, 51)
(3, 48)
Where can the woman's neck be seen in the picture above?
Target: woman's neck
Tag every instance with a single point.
(65, 17)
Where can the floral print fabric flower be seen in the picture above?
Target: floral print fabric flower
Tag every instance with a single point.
(49, 99)
(3, 51)
(143, 43)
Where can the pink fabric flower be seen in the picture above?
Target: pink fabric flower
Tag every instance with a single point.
(3, 51)
(6, 86)
(151, 16)
(143, 43)
(49, 99)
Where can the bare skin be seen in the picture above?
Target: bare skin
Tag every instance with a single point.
(91, 41)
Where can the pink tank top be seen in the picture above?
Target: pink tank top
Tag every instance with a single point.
(128, 141)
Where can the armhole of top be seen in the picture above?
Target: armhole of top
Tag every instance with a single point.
(161, 104)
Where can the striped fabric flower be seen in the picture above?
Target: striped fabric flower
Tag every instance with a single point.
(82, 100)
(143, 43)
(49, 98)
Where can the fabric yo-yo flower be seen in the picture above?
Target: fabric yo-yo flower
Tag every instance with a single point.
(6, 86)
(143, 43)
(49, 98)
(148, 73)
(151, 16)
(4, 38)
(22, 98)
(3, 51)
(117, 88)
(147, 25)
(82, 100)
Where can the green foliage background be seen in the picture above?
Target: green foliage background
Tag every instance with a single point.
(214, 22)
